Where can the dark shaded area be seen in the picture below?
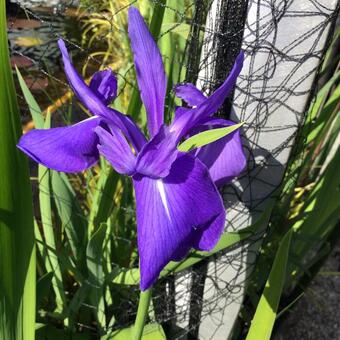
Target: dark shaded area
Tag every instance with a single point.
(230, 25)
(195, 41)
(316, 315)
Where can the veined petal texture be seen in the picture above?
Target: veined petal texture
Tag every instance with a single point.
(114, 147)
(149, 70)
(174, 214)
(157, 156)
(68, 149)
(190, 94)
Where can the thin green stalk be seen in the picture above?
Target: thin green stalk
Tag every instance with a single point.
(142, 313)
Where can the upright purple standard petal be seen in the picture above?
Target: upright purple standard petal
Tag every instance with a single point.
(68, 149)
(190, 94)
(149, 69)
(184, 122)
(104, 85)
(224, 158)
(114, 147)
(174, 214)
(95, 105)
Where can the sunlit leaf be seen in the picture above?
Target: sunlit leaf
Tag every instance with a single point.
(31, 102)
(265, 315)
(207, 137)
(182, 29)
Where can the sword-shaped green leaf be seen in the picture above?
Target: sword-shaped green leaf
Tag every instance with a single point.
(207, 137)
(265, 315)
(17, 251)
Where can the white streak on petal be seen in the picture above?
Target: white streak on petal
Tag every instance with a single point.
(160, 187)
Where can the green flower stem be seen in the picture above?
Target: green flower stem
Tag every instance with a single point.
(142, 313)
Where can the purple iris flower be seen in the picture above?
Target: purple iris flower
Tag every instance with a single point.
(178, 204)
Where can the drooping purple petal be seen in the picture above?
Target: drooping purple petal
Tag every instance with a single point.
(224, 158)
(114, 147)
(190, 94)
(175, 214)
(104, 85)
(95, 105)
(68, 149)
(157, 156)
(184, 122)
(149, 70)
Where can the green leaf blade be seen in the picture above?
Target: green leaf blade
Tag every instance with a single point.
(207, 137)
(17, 257)
(31, 102)
(265, 315)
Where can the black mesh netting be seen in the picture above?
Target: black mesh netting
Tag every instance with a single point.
(284, 43)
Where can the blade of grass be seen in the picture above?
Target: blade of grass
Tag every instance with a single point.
(265, 315)
(324, 115)
(31, 102)
(96, 279)
(17, 258)
(71, 217)
(321, 211)
(103, 201)
(51, 261)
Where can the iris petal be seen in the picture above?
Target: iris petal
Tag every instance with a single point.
(175, 214)
(184, 122)
(190, 94)
(95, 105)
(78, 85)
(157, 156)
(181, 110)
(114, 147)
(68, 149)
(104, 85)
(149, 70)
(224, 158)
